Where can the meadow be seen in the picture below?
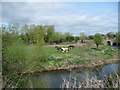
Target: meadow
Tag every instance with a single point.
(79, 55)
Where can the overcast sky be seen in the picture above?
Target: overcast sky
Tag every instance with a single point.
(74, 17)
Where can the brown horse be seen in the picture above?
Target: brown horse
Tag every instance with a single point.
(71, 46)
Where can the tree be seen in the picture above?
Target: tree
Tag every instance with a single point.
(9, 34)
(57, 37)
(49, 37)
(117, 38)
(90, 37)
(38, 34)
(82, 37)
(67, 36)
(76, 38)
(111, 35)
(98, 39)
(24, 30)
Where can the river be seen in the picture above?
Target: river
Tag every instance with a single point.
(116, 47)
(53, 79)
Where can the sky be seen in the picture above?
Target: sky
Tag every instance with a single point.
(74, 17)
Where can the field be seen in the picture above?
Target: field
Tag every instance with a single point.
(78, 55)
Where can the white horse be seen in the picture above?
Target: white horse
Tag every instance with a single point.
(64, 49)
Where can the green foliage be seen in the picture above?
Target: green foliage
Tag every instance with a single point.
(17, 58)
(35, 56)
(111, 35)
(89, 44)
(90, 37)
(82, 36)
(9, 35)
(14, 62)
(15, 55)
(49, 34)
(32, 34)
(67, 34)
(76, 38)
(58, 37)
(38, 34)
(69, 38)
(98, 39)
(118, 38)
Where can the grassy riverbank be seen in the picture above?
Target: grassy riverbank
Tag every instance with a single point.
(20, 59)
(82, 55)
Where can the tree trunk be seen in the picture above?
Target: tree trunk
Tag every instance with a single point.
(97, 45)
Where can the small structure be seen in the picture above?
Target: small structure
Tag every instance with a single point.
(111, 42)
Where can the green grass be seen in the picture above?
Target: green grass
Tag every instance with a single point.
(77, 55)
(36, 57)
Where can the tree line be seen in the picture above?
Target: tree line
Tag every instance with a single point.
(31, 34)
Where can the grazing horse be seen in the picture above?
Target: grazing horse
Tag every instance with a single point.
(71, 46)
(64, 49)
(58, 48)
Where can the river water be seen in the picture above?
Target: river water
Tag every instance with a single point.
(53, 79)
(116, 47)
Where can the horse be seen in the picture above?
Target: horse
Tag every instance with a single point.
(64, 49)
(58, 48)
(71, 46)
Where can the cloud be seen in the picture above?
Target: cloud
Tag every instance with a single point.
(66, 17)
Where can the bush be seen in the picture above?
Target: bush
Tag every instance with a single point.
(19, 59)
(89, 44)
(13, 63)
(14, 57)
(35, 57)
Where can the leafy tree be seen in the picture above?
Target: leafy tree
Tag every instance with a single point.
(98, 39)
(90, 37)
(9, 34)
(68, 34)
(24, 30)
(111, 35)
(118, 38)
(57, 37)
(38, 34)
(32, 34)
(76, 38)
(69, 38)
(82, 37)
(49, 34)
